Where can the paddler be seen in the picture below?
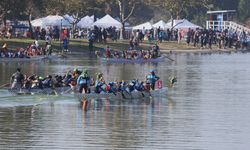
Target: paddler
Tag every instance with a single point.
(17, 79)
(48, 82)
(39, 80)
(84, 82)
(139, 86)
(76, 73)
(99, 83)
(131, 86)
(112, 88)
(107, 52)
(151, 79)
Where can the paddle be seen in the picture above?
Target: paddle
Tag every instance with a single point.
(5, 85)
(68, 90)
(55, 92)
(169, 57)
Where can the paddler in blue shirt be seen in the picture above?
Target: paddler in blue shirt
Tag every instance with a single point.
(151, 79)
(84, 82)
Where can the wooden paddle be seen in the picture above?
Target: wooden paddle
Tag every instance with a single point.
(168, 57)
(5, 85)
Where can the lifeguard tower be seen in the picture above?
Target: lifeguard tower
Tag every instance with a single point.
(224, 19)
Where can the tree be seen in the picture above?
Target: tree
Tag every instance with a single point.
(177, 7)
(125, 10)
(6, 7)
(77, 9)
(32, 7)
(243, 8)
(123, 4)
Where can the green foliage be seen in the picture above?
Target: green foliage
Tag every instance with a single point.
(244, 11)
(136, 11)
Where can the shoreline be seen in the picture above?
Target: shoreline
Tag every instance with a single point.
(80, 46)
(202, 51)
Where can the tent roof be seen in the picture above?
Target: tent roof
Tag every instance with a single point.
(38, 22)
(69, 18)
(51, 21)
(161, 24)
(56, 21)
(183, 24)
(107, 21)
(85, 22)
(146, 26)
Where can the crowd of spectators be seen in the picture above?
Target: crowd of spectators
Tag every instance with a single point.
(227, 38)
(201, 38)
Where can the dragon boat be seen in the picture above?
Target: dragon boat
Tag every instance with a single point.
(32, 58)
(25, 59)
(124, 95)
(39, 91)
(126, 60)
(65, 91)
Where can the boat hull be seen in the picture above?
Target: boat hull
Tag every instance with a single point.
(3, 59)
(38, 91)
(123, 60)
(122, 96)
(64, 92)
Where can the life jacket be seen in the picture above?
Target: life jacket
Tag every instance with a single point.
(151, 79)
(139, 87)
(131, 87)
(99, 84)
(84, 79)
(107, 88)
(46, 82)
(73, 83)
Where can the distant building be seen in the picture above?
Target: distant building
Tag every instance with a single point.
(219, 20)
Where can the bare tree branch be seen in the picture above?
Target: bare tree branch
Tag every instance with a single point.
(131, 12)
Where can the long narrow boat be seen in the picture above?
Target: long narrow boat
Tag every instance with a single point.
(123, 95)
(139, 60)
(39, 91)
(64, 91)
(35, 58)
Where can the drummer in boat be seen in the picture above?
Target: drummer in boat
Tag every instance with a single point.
(17, 79)
(151, 80)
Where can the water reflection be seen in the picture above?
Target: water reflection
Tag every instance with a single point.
(207, 109)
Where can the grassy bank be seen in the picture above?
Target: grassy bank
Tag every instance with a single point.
(81, 45)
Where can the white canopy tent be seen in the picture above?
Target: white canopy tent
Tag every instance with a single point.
(92, 17)
(146, 26)
(51, 21)
(86, 22)
(56, 21)
(106, 22)
(69, 18)
(183, 24)
(161, 24)
(38, 22)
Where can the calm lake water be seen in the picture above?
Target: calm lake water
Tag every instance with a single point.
(208, 109)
